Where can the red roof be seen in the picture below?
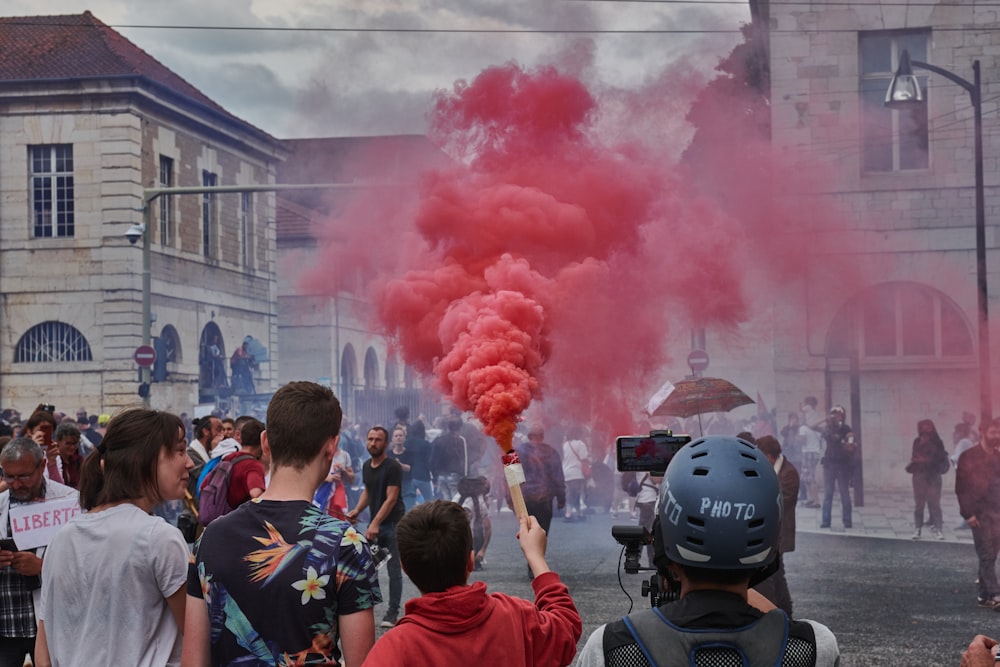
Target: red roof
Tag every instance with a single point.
(78, 46)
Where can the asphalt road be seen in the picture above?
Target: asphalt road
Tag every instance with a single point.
(889, 602)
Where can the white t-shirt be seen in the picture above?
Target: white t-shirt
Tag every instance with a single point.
(105, 580)
(811, 442)
(574, 451)
(649, 489)
(343, 459)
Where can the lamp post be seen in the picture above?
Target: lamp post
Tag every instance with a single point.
(135, 231)
(904, 92)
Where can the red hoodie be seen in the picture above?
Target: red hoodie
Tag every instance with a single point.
(465, 623)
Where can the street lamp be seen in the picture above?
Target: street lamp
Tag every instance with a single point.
(133, 234)
(904, 92)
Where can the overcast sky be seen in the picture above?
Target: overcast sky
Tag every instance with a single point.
(358, 76)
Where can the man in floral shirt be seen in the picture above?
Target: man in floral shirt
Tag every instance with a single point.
(277, 581)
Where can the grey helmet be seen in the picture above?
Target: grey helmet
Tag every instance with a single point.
(720, 506)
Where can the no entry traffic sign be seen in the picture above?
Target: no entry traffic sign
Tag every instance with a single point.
(698, 361)
(144, 355)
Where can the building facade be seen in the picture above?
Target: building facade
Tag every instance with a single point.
(87, 122)
(327, 330)
(902, 343)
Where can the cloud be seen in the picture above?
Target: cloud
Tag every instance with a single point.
(375, 80)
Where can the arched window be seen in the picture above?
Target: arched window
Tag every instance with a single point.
(171, 344)
(348, 369)
(371, 369)
(391, 371)
(901, 320)
(212, 378)
(52, 342)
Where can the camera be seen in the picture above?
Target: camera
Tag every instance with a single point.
(660, 590)
(633, 538)
(134, 233)
(646, 454)
(380, 555)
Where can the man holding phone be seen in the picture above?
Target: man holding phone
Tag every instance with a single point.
(23, 463)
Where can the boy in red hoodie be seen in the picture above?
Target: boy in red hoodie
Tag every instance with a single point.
(453, 619)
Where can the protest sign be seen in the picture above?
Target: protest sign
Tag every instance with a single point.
(33, 525)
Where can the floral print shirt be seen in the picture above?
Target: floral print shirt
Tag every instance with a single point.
(276, 576)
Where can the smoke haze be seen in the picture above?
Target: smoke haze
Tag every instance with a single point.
(560, 252)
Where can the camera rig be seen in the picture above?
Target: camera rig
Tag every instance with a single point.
(659, 588)
(646, 454)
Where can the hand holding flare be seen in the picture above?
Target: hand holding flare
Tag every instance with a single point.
(514, 474)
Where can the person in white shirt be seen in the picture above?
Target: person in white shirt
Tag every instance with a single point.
(812, 449)
(645, 503)
(130, 609)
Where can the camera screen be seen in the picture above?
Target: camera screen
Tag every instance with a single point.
(648, 453)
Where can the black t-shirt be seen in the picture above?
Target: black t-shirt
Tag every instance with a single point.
(406, 457)
(377, 481)
(280, 556)
(839, 445)
(420, 459)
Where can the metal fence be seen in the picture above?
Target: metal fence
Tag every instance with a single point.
(368, 407)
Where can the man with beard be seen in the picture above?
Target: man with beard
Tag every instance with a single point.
(977, 485)
(383, 480)
(23, 464)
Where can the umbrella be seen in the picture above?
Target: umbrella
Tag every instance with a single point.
(694, 397)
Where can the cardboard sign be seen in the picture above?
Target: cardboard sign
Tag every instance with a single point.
(34, 524)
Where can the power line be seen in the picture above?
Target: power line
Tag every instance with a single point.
(785, 3)
(474, 31)
(525, 31)
(389, 29)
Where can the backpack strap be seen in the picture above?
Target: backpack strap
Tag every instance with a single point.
(232, 465)
(664, 644)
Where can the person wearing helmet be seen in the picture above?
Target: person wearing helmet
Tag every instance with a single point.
(838, 465)
(717, 529)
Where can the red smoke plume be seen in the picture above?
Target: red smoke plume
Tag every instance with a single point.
(550, 258)
(547, 258)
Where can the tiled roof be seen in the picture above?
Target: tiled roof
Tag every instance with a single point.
(295, 223)
(77, 46)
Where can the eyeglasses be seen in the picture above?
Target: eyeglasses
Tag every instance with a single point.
(10, 479)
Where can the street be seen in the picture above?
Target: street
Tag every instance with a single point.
(889, 601)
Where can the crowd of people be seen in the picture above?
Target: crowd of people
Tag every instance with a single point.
(275, 512)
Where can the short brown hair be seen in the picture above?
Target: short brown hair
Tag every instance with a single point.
(769, 445)
(435, 540)
(130, 451)
(40, 417)
(250, 431)
(301, 417)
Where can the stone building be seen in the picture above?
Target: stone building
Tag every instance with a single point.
(87, 121)
(326, 334)
(903, 345)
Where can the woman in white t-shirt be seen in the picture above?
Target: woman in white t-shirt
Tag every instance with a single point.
(113, 578)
